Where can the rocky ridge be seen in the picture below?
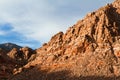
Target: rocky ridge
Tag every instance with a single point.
(89, 50)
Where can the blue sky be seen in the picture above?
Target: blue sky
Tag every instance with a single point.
(33, 22)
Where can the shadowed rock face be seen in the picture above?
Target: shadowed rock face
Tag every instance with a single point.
(89, 50)
(11, 61)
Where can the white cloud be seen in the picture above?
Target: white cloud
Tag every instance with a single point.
(38, 19)
(32, 18)
(2, 33)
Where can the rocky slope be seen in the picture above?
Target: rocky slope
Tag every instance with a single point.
(12, 57)
(89, 50)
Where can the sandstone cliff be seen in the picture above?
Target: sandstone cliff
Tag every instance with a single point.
(89, 50)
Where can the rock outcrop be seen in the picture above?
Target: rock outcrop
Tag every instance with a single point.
(89, 50)
(12, 61)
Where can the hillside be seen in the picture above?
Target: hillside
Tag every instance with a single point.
(89, 50)
(9, 46)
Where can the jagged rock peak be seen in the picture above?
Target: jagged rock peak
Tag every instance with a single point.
(116, 4)
(103, 22)
(89, 48)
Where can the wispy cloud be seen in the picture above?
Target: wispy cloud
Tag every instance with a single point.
(7, 34)
(31, 18)
(39, 19)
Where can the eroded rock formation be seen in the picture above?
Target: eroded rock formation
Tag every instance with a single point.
(89, 50)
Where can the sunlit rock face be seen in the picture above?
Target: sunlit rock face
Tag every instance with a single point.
(89, 50)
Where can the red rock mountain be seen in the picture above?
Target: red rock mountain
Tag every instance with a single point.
(89, 50)
(12, 60)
